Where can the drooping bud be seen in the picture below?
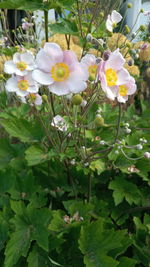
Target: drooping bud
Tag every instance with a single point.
(147, 155)
(106, 55)
(89, 37)
(128, 131)
(139, 147)
(77, 100)
(131, 62)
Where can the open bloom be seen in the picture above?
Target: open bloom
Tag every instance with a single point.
(21, 64)
(112, 74)
(123, 91)
(112, 20)
(89, 62)
(32, 99)
(60, 70)
(22, 85)
(59, 123)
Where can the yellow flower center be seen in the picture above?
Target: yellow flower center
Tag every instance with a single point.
(111, 77)
(123, 90)
(92, 71)
(21, 65)
(32, 97)
(60, 72)
(23, 85)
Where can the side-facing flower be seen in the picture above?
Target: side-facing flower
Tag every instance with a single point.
(21, 64)
(89, 63)
(59, 123)
(125, 90)
(26, 25)
(32, 99)
(22, 85)
(112, 74)
(112, 20)
(60, 70)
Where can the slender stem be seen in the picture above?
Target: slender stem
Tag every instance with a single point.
(46, 24)
(118, 124)
(70, 179)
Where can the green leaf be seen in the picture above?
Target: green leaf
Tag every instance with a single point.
(127, 262)
(36, 155)
(97, 165)
(96, 244)
(124, 189)
(6, 153)
(22, 129)
(7, 179)
(64, 27)
(37, 258)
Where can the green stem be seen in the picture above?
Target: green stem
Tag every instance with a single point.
(118, 124)
(46, 24)
(89, 188)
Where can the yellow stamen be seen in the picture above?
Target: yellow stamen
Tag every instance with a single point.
(23, 85)
(92, 71)
(21, 65)
(111, 77)
(60, 72)
(123, 90)
(32, 97)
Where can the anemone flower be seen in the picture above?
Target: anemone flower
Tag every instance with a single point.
(112, 74)
(60, 70)
(89, 62)
(21, 64)
(32, 99)
(22, 85)
(59, 123)
(125, 90)
(112, 20)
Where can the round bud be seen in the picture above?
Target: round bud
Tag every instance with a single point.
(133, 35)
(129, 45)
(101, 14)
(129, 5)
(102, 142)
(131, 62)
(142, 10)
(126, 124)
(128, 131)
(106, 55)
(89, 37)
(136, 56)
(117, 152)
(1, 77)
(127, 29)
(83, 104)
(147, 155)
(77, 100)
(45, 98)
(148, 72)
(142, 28)
(139, 147)
(99, 121)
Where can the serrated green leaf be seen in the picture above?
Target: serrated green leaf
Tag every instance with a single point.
(124, 189)
(37, 258)
(64, 27)
(127, 262)
(36, 155)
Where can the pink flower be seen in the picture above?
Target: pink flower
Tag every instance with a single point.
(89, 62)
(60, 70)
(32, 99)
(26, 25)
(21, 64)
(112, 74)
(22, 85)
(112, 20)
(125, 90)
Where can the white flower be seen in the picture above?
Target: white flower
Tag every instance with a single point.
(59, 123)
(21, 64)
(60, 70)
(22, 85)
(89, 63)
(112, 20)
(32, 99)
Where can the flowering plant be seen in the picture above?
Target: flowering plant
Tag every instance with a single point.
(74, 154)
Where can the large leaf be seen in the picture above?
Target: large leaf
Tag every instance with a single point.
(38, 258)
(22, 129)
(127, 262)
(36, 155)
(124, 189)
(6, 153)
(65, 27)
(96, 243)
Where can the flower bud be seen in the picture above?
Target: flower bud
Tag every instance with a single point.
(99, 121)
(129, 5)
(77, 100)
(89, 37)
(142, 28)
(102, 142)
(117, 152)
(139, 147)
(128, 131)
(127, 29)
(131, 62)
(106, 55)
(101, 14)
(2, 77)
(142, 10)
(45, 98)
(133, 35)
(83, 104)
(147, 155)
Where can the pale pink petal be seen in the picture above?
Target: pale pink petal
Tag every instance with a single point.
(9, 67)
(21, 93)
(115, 61)
(70, 58)
(38, 100)
(21, 73)
(11, 85)
(109, 24)
(79, 73)
(32, 89)
(59, 88)
(101, 68)
(77, 86)
(54, 51)
(44, 61)
(89, 60)
(27, 57)
(16, 57)
(42, 77)
(29, 78)
(131, 86)
(123, 76)
(115, 16)
(122, 99)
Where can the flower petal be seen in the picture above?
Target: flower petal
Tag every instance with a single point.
(32, 89)
(44, 61)
(109, 24)
(11, 85)
(21, 93)
(59, 88)
(10, 67)
(122, 99)
(16, 57)
(89, 59)
(123, 76)
(54, 51)
(115, 61)
(70, 58)
(115, 17)
(27, 57)
(42, 77)
(77, 86)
